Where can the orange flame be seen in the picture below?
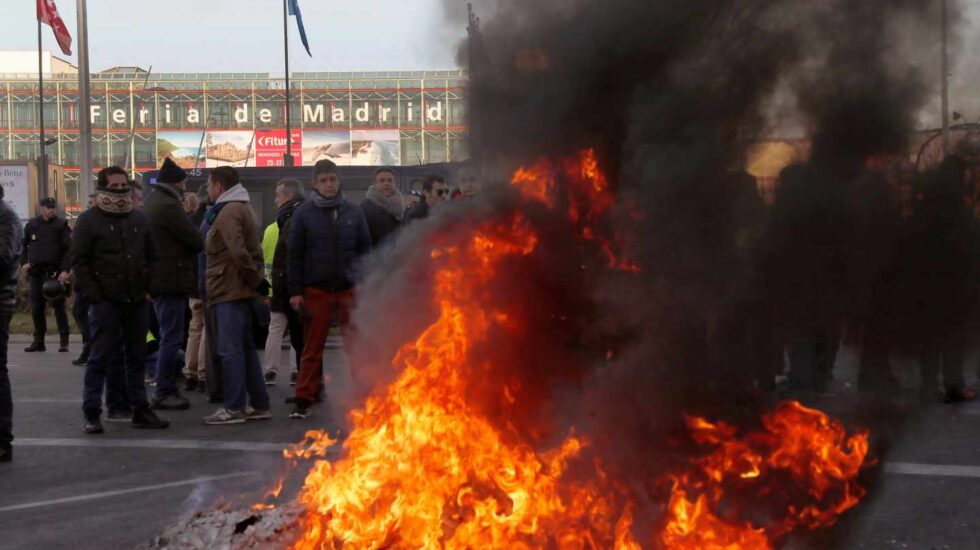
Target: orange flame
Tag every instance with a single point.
(423, 471)
(588, 197)
(806, 446)
(422, 468)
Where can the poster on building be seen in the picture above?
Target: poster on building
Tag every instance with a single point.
(15, 181)
(326, 144)
(182, 147)
(374, 148)
(270, 146)
(229, 148)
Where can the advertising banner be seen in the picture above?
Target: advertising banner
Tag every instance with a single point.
(229, 148)
(375, 148)
(270, 146)
(16, 189)
(181, 147)
(327, 144)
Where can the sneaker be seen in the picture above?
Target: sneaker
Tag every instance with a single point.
(270, 378)
(301, 411)
(82, 360)
(190, 384)
(118, 417)
(149, 380)
(63, 349)
(93, 425)
(147, 419)
(224, 416)
(170, 403)
(292, 378)
(257, 414)
(35, 347)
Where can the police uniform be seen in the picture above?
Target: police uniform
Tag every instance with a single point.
(46, 249)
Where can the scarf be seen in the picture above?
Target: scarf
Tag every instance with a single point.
(114, 201)
(327, 202)
(394, 205)
(212, 213)
(287, 211)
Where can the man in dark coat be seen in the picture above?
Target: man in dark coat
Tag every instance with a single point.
(79, 310)
(384, 207)
(47, 240)
(174, 276)
(289, 196)
(326, 238)
(11, 239)
(434, 192)
(112, 256)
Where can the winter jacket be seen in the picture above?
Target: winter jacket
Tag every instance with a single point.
(380, 222)
(269, 240)
(324, 246)
(202, 264)
(234, 249)
(11, 243)
(46, 245)
(418, 212)
(113, 255)
(280, 291)
(177, 242)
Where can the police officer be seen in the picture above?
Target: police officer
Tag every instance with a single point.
(47, 241)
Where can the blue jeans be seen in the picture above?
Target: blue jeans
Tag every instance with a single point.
(117, 356)
(243, 382)
(6, 400)
(171, 311)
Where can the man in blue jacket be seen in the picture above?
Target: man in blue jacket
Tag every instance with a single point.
(327, 236)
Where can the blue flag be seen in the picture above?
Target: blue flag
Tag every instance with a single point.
(293, 9)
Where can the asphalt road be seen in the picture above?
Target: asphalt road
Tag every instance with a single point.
(69, 490)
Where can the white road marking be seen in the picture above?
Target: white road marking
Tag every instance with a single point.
(932, 470)
(106, 494)
(192, 444)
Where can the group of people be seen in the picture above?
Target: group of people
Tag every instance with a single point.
(841, 255)
(183, 275)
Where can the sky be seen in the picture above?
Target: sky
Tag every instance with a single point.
(246, 35)
(345, 35)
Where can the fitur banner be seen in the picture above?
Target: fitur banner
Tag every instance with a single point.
(264, 148)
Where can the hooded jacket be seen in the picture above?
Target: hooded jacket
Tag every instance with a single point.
(177, 242)
(234, 250)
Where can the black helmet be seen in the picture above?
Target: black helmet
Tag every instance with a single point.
(52, 289)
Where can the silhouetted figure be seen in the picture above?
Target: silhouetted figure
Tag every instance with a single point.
(940, 274)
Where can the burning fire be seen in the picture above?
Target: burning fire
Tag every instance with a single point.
(422, 468)
(802, 463)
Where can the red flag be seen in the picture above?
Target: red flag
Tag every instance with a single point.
(47, 13)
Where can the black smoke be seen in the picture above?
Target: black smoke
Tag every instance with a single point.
(671, 94)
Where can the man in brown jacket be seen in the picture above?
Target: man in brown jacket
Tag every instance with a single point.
(234, 271)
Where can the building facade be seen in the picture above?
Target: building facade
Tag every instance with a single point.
(239, 119)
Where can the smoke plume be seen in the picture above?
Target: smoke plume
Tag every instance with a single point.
(670, 94)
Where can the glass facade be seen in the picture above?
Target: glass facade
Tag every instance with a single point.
(239, 119)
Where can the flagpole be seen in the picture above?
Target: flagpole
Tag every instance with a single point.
(41, 165)
(84, 102)
(288, 158)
